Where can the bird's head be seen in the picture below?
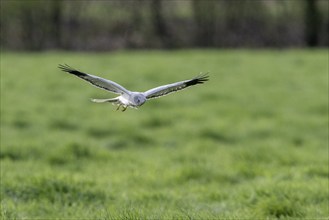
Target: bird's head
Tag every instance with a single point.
(139, 99)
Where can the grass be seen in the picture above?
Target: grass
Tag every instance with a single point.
(252, 143)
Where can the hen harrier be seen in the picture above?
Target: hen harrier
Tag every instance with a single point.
(128, 98)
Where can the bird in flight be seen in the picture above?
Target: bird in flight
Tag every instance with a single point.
(128, 98)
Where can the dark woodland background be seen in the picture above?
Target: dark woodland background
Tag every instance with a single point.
(164, 24)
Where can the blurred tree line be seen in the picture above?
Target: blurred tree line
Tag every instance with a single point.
(116, 24)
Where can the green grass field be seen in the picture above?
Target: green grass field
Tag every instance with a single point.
(251, 143)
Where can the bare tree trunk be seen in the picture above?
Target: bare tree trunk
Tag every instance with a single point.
(204, 15)
(159, 24)
(32, 38)
(312, 23)
(56, 22)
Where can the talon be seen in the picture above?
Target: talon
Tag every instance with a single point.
(124, 108)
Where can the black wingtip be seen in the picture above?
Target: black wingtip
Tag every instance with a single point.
(201, 78)
(68, 69)
(65, 67)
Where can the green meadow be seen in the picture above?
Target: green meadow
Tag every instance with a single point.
(251, 143)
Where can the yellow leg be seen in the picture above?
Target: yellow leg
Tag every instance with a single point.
(118, 107)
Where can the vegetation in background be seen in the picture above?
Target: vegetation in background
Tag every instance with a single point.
(107, 25)
(251, 143)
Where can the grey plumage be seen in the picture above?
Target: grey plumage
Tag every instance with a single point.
(128, 98)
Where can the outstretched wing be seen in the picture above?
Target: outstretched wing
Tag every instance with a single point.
(95, 80)
(166, 89)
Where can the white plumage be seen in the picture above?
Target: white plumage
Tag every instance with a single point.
(128, 98)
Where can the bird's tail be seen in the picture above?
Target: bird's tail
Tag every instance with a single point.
(114, 100)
